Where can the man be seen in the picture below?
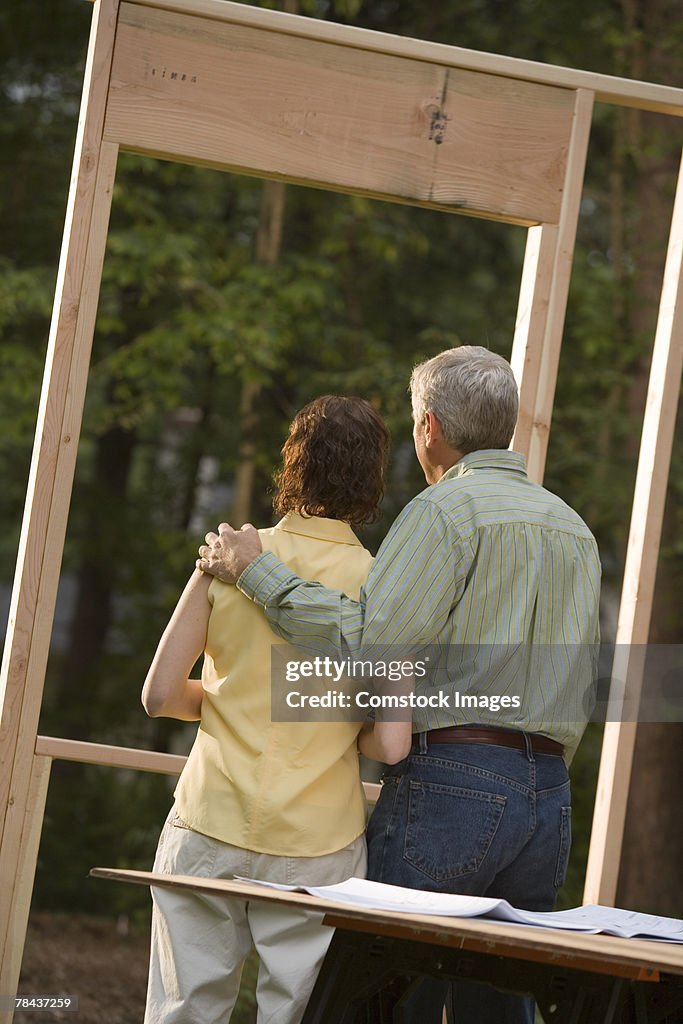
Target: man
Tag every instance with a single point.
(497, 580)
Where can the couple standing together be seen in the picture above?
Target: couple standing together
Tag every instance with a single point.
(496, 576)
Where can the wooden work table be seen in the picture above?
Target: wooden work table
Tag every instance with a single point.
(575, 977)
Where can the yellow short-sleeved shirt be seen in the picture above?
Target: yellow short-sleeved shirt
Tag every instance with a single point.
(288, 788)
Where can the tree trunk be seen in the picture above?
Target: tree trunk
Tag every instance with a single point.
(95, 583)
(267, 251)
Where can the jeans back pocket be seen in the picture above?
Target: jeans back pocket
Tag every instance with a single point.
(450, 829)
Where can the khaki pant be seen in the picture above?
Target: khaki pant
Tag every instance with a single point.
(200, 941)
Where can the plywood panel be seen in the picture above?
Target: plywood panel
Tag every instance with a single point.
(236, 97)
(559, 946)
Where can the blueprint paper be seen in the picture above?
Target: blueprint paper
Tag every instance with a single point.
(591, 919)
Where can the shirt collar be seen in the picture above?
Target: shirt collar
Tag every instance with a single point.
(319, 528)
(490, 458)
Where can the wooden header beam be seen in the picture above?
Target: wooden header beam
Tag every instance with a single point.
(622, 92)
(236, 97)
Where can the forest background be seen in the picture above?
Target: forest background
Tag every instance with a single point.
(228, 302)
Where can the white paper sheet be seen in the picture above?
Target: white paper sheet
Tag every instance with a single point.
(593, 919)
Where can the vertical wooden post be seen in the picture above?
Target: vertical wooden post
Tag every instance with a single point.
(641, 567)
(22, 890)
(543, 301)
(530, 326)
(54, 454)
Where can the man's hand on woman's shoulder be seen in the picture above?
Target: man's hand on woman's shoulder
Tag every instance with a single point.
(226, 554)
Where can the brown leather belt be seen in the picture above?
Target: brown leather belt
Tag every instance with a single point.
(487, 734)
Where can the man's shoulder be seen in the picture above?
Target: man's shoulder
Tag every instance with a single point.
(452, 494)
(565, 513)
(452, 502)
(434, 499)
(474, 501)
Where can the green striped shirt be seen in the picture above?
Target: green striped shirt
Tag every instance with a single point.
(491, 578)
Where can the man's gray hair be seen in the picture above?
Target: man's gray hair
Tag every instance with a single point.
(473, 394)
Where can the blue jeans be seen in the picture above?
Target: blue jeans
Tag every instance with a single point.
(478, 819)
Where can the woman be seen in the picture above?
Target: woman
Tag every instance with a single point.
(279, 801)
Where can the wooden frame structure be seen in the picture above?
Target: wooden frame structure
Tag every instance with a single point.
(275, 95)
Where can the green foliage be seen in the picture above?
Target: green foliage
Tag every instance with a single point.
(116, 818)
(25, 299)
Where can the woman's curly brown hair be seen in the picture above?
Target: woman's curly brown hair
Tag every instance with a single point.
(334, 461)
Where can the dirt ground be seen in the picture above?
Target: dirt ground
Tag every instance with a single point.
(83, 956)
(93, 959)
